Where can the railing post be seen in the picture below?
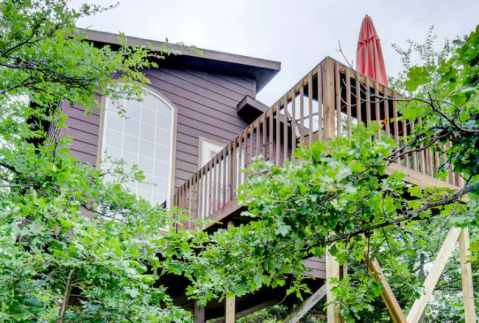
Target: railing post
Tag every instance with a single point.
(328, 95)
(332, 271)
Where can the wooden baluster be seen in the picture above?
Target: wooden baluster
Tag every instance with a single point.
(251, 143)
(378, 110)
(241, 159)
(320, 104)
(396, 124)
(271, 134)
(310, 103)
(285, 128)
(200, 194)
(293, 123)
(444, 159)
(436, 159)
(225, 175)
(264, 136)
(451, 170)
(258, 139)
(210, 187)
(422, 157)
(337, 78)
(196, 195)
(234, 170)
(301, 113)
(368, 104)
(406, 156)
(414, 154)
(189, 200)
(278, 134)
(215, 182)
(348, 99)
(358, 97)
(386, 113)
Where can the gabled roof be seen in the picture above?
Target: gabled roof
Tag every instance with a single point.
(261, 69)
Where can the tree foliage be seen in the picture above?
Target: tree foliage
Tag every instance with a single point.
(57, 264)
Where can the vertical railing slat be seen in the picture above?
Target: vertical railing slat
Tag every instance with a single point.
(301, 113)
(358, 98)
(386, 113)
(368, 103)
(348, 100)
(285, 127)
(376, 105)
(406, 156)
(293, 123)
(258, 139)
(337, 80)
(396, 124)
(415, 162)
(278, 135)
(310, 106)
(320, 103)
(271, 135)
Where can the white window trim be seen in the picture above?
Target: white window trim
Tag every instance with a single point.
(174, 111)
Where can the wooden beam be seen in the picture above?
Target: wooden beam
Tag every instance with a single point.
(250, 310)
(430, 283)
(387, 295)
(306, 306)
(199, 314)
(332, 271)
(466, 275)
(230, 310)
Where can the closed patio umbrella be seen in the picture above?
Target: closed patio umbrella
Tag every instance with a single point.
(369, 56)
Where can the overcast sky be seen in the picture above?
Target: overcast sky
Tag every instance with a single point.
(298, 33)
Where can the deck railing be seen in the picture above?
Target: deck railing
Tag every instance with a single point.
(326, 103)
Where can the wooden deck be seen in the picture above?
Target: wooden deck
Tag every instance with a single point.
(324, 104)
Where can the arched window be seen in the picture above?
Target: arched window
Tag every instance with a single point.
(145, 138)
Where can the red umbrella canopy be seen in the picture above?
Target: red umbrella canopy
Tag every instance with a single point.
(369, 56)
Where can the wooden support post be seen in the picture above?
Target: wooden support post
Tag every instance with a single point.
(230, 310)
(332, 271)
(199, 314)
(466, 275)
(387, 295)
(328, 94)
(306, 306)
(430, 283)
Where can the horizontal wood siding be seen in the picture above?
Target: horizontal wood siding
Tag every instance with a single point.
(316, 266)
(85, 131)
(206, 104)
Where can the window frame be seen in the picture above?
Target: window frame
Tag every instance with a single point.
(173, 129)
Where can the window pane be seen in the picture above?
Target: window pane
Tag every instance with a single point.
(148, 116)
(146, 148)
(163, 108)
(161, 169)
(115, 122)
(130, 144)
(132, 127)
(163, 121)
(113, 140)
(162, 153)
(147, 132)
(133, 110)
(163, 137)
